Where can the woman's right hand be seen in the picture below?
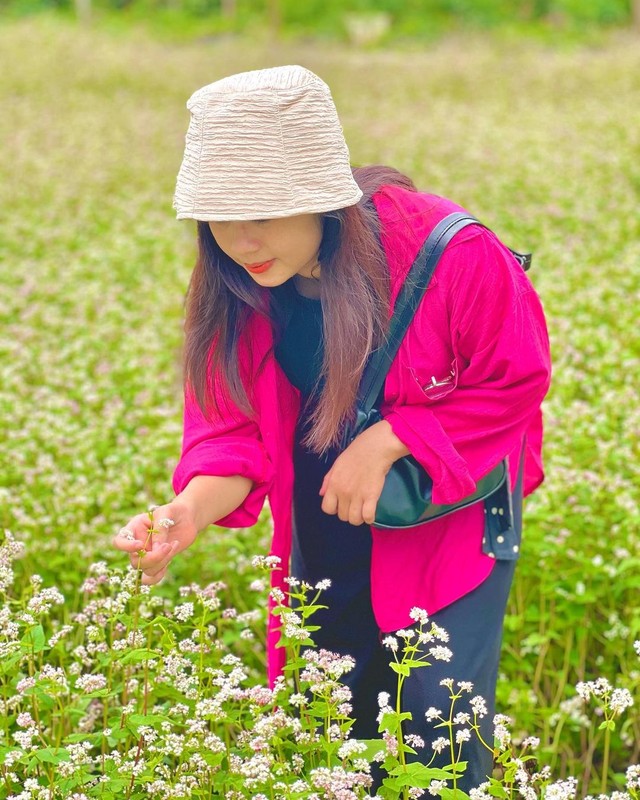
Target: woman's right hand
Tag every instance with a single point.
(175, 529)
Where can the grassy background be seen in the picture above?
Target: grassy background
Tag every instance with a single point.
(541, 143)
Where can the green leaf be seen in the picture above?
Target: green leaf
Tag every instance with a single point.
(34, 639)
(401, 669)
(453, 794)
(50, 755)
(373, 746)
(137, 656)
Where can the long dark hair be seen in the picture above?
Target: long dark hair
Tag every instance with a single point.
(355, 304)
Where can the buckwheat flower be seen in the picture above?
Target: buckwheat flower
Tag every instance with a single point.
(265, 562)
(500, 731)
(479, 706)
(298, 700)
(462, 718)
(632, 776)
(463, 735)
(448, 682)
(390, 743)
(258, 585)
(440, 744)
(532, 742)
(23, 738)
(441, 653)
(480, 792)
(439, 633)
(435, 787)
(25, 720)
(419, 615)
(583, 689)
(91, 683)
(350, 748)
(41, 602)
(391, 643)
(383, 699)
(323, 585)
(620, 700)
(415, 741)
(25, 684)
(601, 686)
(561, 790)
(465, 686)
(292, 582)
(432, 713)
(184, 612)
(277, 595)
(166, 523)
(406, 633)
(527, 792)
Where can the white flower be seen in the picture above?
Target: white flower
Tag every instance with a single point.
(391, 643)
(184, 611)
(265, 562)
(432, 713)
(440, 744)
(350, 748)
(480, 792)
(419, 615)
(620, 699)
(465, 686)
(435, 787)
(561, 790)
(383, 699)
(441, 653)
(91, 683)
(478, 706)
(633, 776)
(323, 585)
(463, 735)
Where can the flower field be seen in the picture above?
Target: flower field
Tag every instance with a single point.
(112, 690)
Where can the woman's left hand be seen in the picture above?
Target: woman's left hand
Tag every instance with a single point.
(354, 483)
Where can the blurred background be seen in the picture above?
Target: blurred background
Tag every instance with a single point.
(358, 21)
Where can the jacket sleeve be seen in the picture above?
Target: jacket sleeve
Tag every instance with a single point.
(228, 444)
(495, 329)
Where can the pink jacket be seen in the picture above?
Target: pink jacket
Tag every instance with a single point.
(462, 393)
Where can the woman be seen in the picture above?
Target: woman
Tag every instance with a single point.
(300, 261)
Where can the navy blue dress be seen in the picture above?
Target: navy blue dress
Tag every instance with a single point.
(325, 547)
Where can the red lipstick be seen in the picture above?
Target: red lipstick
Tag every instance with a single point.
(263, 266)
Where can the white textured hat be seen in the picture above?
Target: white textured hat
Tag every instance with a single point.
(264, 144)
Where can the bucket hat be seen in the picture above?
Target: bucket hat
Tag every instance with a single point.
(264, 144)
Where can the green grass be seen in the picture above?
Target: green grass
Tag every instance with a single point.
(541, 143)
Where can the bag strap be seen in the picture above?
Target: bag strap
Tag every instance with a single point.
(409, 297)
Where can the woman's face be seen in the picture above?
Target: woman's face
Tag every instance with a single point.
(272, 250)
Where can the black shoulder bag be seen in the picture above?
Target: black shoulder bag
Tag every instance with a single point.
(405, 501)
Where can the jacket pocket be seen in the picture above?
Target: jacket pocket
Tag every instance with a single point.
(435, 386)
